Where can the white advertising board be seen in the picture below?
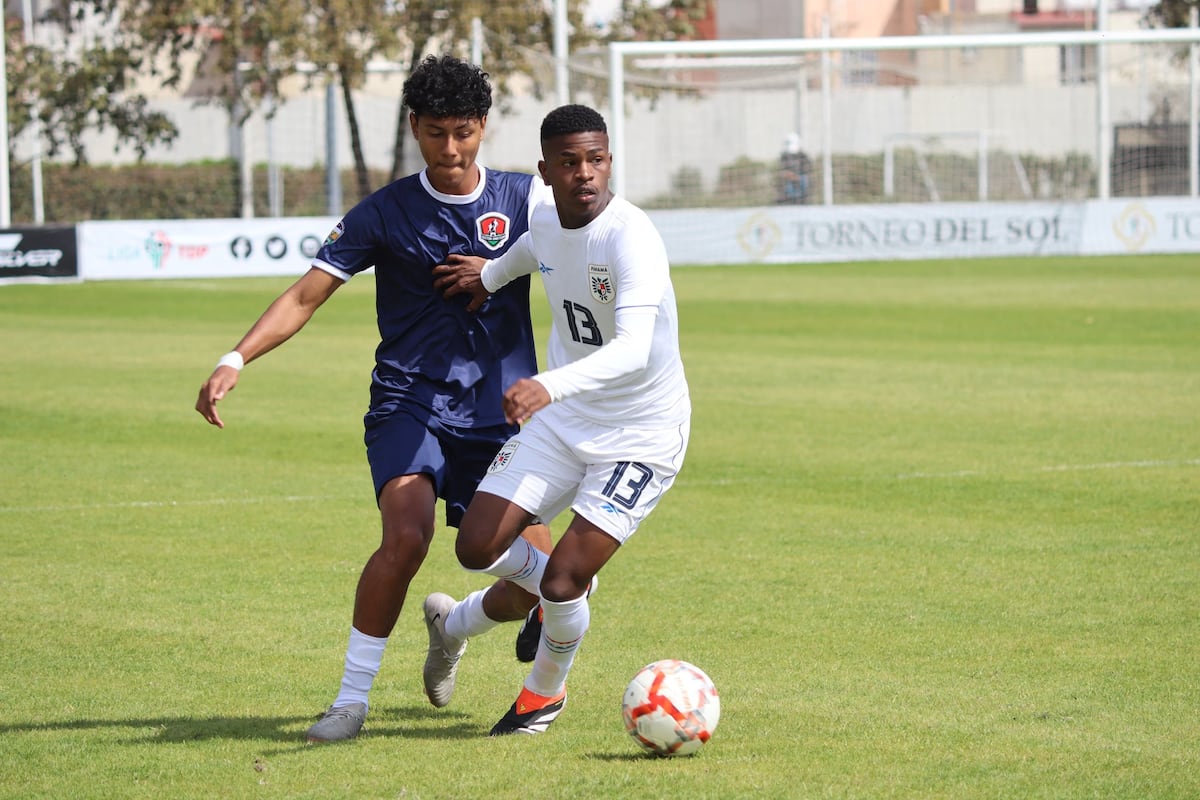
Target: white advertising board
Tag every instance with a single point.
(774, 234)
(222, 248)
(1142, 225)
(789, 234)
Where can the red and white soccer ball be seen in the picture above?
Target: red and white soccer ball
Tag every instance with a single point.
(671, 708)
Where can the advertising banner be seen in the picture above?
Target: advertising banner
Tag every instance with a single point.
(1142, 225)
(772, 234)
(38, 252)
(222, 248)
(790, 234)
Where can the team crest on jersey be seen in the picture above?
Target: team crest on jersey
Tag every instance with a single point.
(336, 233)
(492, 229)
(601, 283)
(503, 458)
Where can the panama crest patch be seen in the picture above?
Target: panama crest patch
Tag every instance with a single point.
(492, 229)
(601, 283)
(503, 458)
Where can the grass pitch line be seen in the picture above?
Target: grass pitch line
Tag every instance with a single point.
(216, 501)
(969, 473)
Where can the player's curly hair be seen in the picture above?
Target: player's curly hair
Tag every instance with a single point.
(445, 86)
(570, 119)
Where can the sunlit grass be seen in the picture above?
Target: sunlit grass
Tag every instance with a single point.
(937, 536)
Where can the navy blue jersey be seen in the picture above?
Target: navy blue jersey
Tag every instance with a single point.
(433, 355)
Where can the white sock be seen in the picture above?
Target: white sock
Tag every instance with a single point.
(563, 626)
(364, 654)
(467, 618)
(523, 564)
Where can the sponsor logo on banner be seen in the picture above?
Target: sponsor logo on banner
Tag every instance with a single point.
(12, 257)
(199, 248)
(38, 252)
(309, 245)
(600, 283)
(758, 236)
(492, 229)
(158, 248)
(1135, 226)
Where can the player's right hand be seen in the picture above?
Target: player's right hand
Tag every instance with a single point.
(461, 275)
(523, 399)
(219, 384)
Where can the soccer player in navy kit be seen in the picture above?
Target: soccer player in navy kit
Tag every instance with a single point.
(435, 419)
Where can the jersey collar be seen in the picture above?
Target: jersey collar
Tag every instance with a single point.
(456, 199)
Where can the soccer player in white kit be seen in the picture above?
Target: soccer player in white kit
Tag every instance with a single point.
(605, 427)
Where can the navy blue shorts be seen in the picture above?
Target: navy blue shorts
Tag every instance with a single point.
(402, 443)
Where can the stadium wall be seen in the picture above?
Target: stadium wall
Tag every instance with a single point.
(722, 127)
(150, 249)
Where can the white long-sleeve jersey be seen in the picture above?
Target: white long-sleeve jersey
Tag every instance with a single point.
(614, 344)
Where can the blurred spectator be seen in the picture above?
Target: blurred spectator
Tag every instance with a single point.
(795, 169)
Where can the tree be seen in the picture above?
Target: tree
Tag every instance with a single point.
(247, 48)
(345, 35)
(640, 20)
(418, 27)
(647, 20)
(518, 44)
(76, 94)
(1172, 13)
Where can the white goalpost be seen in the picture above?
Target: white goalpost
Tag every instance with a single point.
(982, 140)
(1011, 109)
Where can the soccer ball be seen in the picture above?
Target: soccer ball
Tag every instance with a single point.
(671, 708)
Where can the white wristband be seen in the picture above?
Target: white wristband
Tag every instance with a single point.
(232, 359)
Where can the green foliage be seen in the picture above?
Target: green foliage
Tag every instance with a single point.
(860, 179)
(687, 187)
(647, 20)
(251, 46)
(158, 191)
(1172, 13)
(936, 537)
(244, 50)
(211, 189)
(78, 94)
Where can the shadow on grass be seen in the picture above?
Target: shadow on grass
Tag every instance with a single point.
(414, 722)
(623, 758)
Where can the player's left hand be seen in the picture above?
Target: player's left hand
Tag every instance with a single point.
(460, 275)
(523, 399)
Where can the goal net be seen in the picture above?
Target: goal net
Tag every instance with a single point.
(1000, 117)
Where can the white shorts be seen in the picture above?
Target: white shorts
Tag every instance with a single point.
(611, 477)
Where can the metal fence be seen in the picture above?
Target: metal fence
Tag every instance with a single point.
(702, 124)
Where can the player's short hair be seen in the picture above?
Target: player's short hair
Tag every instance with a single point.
(445, 86)
(569, 119)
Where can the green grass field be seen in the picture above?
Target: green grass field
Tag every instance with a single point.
(938, 536)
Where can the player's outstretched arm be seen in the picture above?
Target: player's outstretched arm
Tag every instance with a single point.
(283, 318)
(461, 275)
(479, 277)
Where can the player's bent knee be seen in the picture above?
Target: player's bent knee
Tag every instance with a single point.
(471, 555)
(405, 554)
(563, 588)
